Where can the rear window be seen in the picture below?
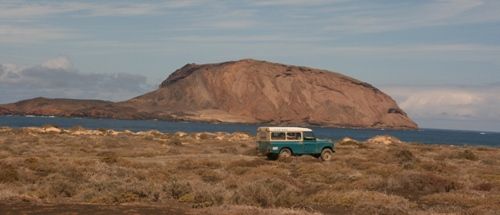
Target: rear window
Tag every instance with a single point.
(277, 135)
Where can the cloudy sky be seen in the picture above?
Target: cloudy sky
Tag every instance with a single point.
(440, 59)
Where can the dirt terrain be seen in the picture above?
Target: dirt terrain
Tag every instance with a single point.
(243, 91)
(49, 170)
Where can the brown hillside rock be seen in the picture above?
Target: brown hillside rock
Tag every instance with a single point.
(252, 91)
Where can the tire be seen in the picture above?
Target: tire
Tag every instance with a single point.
(326, 154)
(285, 153)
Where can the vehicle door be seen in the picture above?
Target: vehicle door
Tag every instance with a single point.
(310, 144)
(294, 140)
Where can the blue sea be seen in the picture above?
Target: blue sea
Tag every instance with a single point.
(428, 136)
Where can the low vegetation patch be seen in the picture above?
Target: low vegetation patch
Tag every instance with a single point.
(221, 173)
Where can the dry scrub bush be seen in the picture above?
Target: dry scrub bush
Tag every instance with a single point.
(210, 176)
(8, 173)
(207, 197)
(127, 168)
(465, 200)
(270, 192)
(412, 184)
(250, 210)
(176, 189)
(192, 164)
(484, 186)
(467, 154)
(362, 202)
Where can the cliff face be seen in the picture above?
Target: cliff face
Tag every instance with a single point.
(251, 91)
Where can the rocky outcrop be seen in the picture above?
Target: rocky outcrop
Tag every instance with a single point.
(245, 91)
(252, 91)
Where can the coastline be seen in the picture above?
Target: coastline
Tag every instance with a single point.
(180, 119)
(423, 135)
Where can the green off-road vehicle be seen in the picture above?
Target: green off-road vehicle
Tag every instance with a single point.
(282, 142)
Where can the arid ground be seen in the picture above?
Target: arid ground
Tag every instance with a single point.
(51, 170)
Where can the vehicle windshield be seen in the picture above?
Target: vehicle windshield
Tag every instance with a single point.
(308, 135)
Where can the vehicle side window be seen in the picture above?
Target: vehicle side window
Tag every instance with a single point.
(278, 136)
(309, 136)
(293, 135)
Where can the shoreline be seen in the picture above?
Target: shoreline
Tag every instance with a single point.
(424, 135)
(215, 122)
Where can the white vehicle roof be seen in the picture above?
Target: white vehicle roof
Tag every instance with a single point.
(283, 129)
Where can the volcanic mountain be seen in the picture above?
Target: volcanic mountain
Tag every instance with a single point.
(244, 91)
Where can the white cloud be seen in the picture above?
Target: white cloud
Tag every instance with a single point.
(61, 63)
(449, 102)
(57, 78)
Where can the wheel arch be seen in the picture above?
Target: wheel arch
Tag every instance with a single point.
(286, 147)
(327, 147)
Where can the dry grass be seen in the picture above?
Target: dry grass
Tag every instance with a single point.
(219, 173)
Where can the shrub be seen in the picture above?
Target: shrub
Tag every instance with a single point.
(269, 192)
(190, 164)
(176, 189)
(362, 202)
(229, 150)
(207, 198)
(206, 136)
(415, 184)
(108, 157)
(210, 176)
(456, 199)
(247, 163)
(175, 141)
(8, 173)
(405, 156)
(247, 210)
(62, 187)
(467, 154)
(485, 186)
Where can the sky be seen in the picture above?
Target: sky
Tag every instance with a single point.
(439, 59)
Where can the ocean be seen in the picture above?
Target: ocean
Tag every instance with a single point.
(426, 136)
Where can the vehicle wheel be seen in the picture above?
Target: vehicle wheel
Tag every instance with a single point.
(285, 153)
(326, 154)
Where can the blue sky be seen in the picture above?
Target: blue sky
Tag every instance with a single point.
(439, 59)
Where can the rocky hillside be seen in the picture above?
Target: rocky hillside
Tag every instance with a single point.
(246, 91)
